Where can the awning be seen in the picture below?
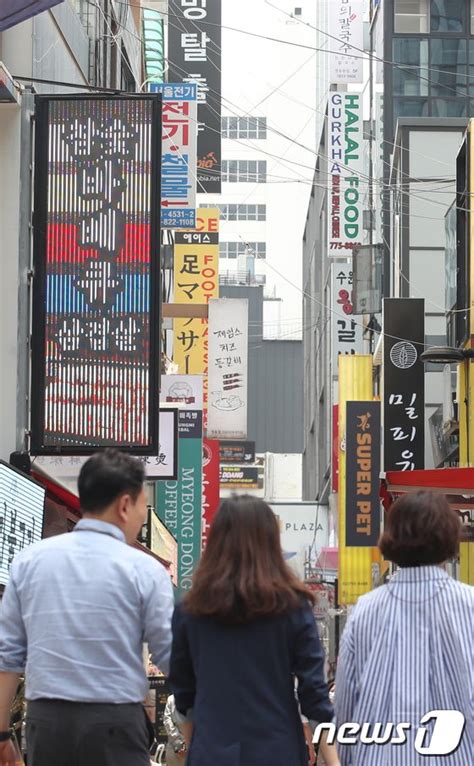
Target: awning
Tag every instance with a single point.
(456, 483)
(64, 496)
(14, 11)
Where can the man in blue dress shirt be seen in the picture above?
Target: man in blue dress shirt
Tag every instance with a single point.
(74, 616)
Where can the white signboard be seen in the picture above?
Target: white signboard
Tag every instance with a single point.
(179, 154)
(185, 391)
(347, 182)
(346, 24)
(346, 330)
(21, 515)
(161, 466)
(228, 369)
(304, 529)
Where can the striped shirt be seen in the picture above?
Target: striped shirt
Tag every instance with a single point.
(407, 650)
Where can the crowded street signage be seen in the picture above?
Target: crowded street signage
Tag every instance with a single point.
(95, 362)
(163, 465)
(363, 434)
(237, 452)
(228, 369)
(194, 37)
(347, 27)
(196, 281)
(21, 515)
(345, 166)
(347, 334)
(404, 384)
(178, 160)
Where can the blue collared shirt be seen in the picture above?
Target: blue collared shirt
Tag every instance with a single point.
(76, 612)
(407, 649)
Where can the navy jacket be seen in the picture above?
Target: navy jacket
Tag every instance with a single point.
(239, 680)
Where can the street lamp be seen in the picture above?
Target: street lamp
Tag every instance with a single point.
(446, 355)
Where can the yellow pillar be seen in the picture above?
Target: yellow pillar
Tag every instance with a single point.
(355, 564)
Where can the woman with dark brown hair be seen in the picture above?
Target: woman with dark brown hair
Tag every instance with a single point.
(406, 661)
(242, 635)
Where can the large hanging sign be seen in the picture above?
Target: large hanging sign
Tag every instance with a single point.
(363, 439)
(347, 332)
(178, 163)
(345, 168)
(403, 384)
(196, 281)
(194, 37)
(347, 26)
(95, 362)
(210, 485)
(21, 515)
(228, 368)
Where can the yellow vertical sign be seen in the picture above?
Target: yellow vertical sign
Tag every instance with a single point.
(196, 280)
(355, 564)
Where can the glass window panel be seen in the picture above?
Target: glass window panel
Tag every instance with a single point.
(411, 16)
(262, 127)
(472, 17)
(410, 107)
(448, 67)
(447, 15)
(444, 107)
(407, 80)
(224, 126)
(471, 64)
(233, 171)
(261, 213)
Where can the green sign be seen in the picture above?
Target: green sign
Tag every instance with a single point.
(179, 503)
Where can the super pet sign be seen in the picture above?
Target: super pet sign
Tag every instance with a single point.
(95, 332)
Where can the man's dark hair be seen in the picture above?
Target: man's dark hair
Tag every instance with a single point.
(421, 529)
(106, 476)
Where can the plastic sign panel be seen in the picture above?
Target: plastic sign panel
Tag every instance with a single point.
(163, 465)
(347, 333)
(96, 286)
(228, 368)
(363, 441)
(240, 477)
(345, 168)
(184, 391)
(237, 452)
(210, 485)
(21, 515)
(194, 37)
(304, 529)
(404, 384)
(178, 162)
(346, 25)
(14, 11)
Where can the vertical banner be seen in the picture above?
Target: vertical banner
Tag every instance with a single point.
(194, 39)
(363, 442)
(178, 162)
(179, 502)
(96, 287)
(356, 565)
(335, 448)
(347, 334)
(403, 384)
(196, 281)
(210, 484)
(345, 166)
(228, 368)
(346, 24)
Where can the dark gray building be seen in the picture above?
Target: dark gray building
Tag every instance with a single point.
(275, 385)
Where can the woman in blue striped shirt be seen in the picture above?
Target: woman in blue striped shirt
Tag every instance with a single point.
(405, 674)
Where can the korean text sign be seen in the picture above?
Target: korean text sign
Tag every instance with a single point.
(363, 442)
(178, 161)
(96, 286)
(404, 384)
(196, 281)
(345, 166)
(346, 25)
(228, 369)
(21, 515)
(194, 38)
(347, 335)
(179, 503)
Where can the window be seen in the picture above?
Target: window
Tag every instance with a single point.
(244, 171)
(448, 67)
(298, 12)
(413, 53)
(449, 107)
(472, 17)
(241, 212)
(235, 249)
(244, 127)
(447, 15)
(411, 16)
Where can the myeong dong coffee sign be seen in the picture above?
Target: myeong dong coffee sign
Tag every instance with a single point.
(345, 168)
